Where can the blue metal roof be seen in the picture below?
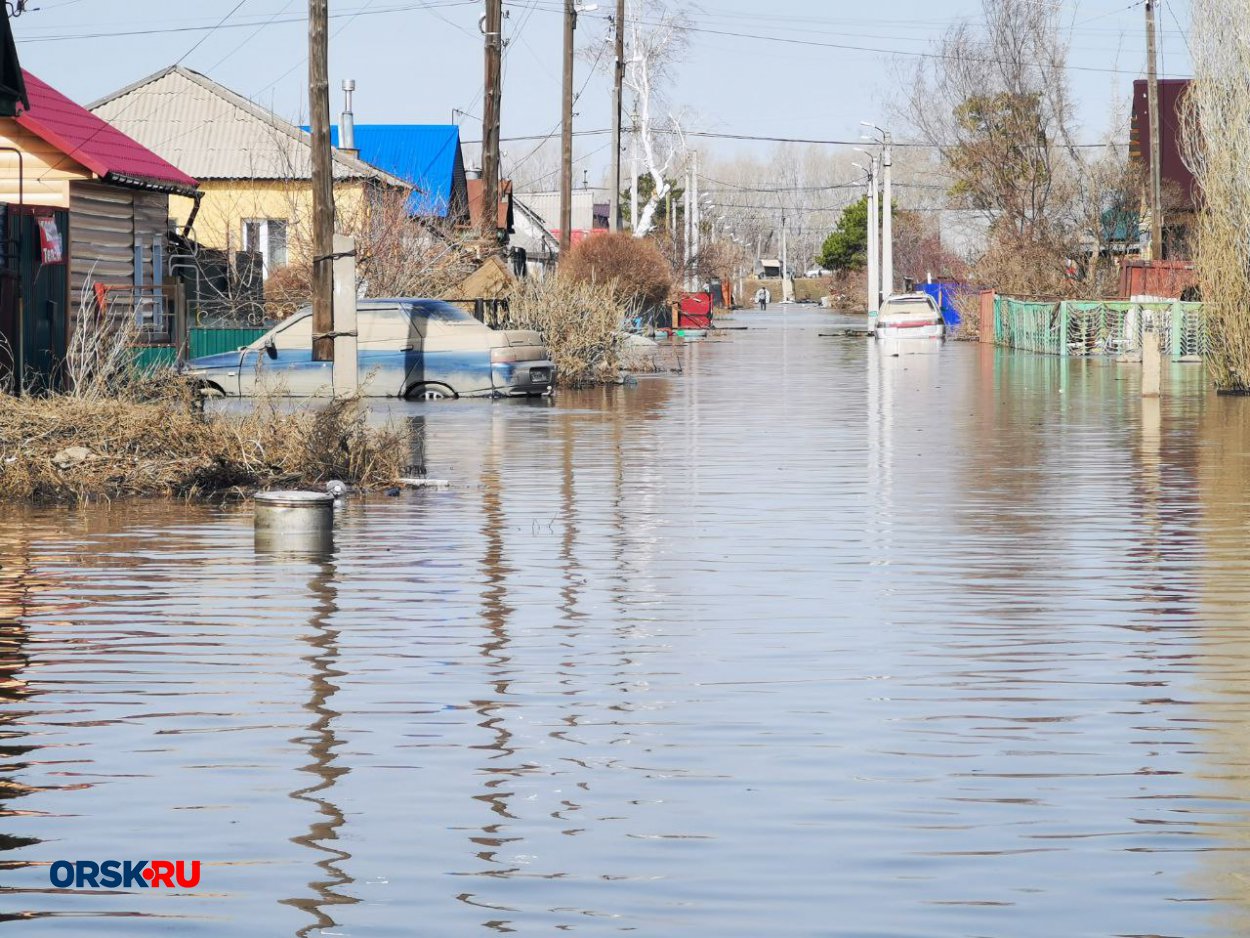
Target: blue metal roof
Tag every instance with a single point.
(426, 155)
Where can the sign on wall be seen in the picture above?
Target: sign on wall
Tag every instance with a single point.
(51, 244)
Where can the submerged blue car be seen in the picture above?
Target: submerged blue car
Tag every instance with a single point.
(410, 348)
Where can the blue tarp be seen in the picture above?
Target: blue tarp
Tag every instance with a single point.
(945, 294)
(426, 155)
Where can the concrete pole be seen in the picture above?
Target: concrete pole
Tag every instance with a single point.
(1151, 363)
(887, 227)
(685, 254)
(346, 376)
(633, 172)
(696, 223)
(874, 252)
(785, 261)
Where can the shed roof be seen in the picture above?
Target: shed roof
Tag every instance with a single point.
(212, 132)
(94, 143)
(427, 156)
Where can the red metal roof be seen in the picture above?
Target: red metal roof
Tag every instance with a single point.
(94, 143)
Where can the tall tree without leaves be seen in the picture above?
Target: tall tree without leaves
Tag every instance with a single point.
(656, 38)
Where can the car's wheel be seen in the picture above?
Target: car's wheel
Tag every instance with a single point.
(430, 392)
(208, 389)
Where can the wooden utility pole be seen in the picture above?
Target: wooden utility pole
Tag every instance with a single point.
(566, 154)
(322, 182)
(1156, 157)
(490, 122)
(614, 207)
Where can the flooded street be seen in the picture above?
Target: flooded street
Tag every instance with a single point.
(800, 641)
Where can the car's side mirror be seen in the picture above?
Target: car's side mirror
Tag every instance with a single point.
(270, 349)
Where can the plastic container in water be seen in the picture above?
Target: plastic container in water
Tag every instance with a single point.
(294, 522)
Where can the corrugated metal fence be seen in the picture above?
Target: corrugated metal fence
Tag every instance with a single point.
(1074, 328)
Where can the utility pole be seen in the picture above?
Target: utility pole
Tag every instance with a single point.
(685, 254)
(566, 154)
(1152, 106)
(695, 221)
(614, 206)
(887, 226)
(490, 122)
(633, 171)
(785, 261)
(874, 280)
(322, 182)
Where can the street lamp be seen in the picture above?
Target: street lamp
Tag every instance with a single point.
(887, 212)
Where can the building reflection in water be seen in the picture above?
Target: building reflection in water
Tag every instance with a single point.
(18, 588)
(320, 741)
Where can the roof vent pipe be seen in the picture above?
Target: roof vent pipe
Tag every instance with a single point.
(347, 122)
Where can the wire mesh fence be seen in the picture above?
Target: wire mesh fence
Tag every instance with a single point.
(1111, 328)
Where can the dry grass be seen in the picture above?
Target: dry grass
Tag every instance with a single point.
(120, 432)
(63, 448)
(581, 323)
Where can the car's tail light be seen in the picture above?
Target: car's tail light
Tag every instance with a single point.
(501, 355)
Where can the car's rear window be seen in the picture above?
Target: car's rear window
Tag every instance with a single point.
(440, 311)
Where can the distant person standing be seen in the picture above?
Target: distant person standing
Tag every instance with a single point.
(761, 298)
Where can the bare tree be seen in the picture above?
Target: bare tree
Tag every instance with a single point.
(1216, 135)
(656, 39)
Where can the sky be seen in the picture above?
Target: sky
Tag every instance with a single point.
(787, 68)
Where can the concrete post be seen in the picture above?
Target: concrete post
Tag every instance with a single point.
(1063, 329)
(1178, 331)
(1151, 364)
(346, 378)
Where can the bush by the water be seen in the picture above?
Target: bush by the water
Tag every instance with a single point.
(580, 321)
(120, 431)
(640, 275)
(66, 448)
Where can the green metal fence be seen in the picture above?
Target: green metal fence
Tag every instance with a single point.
(201, 341)
(1076, 328)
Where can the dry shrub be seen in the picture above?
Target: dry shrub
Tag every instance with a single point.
(640, 275)
(120, 431)
(287, 290)
(580, 322)
(63, 448)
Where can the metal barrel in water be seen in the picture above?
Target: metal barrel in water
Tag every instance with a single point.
(294, 522)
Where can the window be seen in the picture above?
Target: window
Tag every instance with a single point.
(438, 311)
(266, 237)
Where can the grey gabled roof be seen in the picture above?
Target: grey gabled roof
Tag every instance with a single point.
(210, 132)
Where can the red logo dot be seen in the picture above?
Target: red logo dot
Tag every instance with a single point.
(148, 873)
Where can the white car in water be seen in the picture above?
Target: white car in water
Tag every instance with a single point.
(408, 347)
(910, 323)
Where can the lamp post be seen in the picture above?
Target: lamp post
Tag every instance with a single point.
(874, 252)
(887, 214)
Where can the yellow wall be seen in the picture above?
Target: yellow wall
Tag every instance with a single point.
(47, 171)
(226, 203)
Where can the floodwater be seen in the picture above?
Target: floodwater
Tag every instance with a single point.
(798, 642)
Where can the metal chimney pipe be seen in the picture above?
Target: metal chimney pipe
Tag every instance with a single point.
(347, 122)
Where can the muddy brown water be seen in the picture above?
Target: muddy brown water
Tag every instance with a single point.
(798, 642)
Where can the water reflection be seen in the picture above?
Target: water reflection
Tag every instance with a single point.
(19, 587)
(951, 645)
(320, 740)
